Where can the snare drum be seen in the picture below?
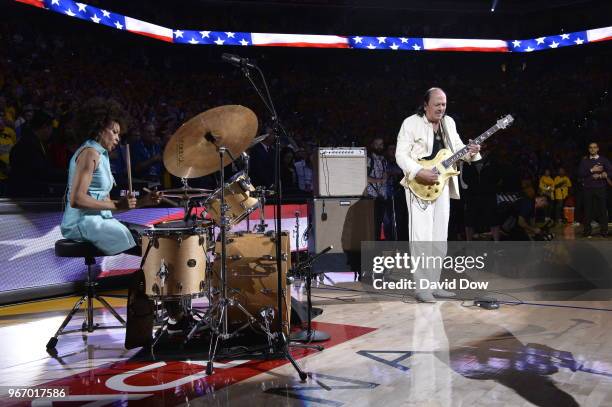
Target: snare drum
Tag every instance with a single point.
(237, 198)
(175, 264)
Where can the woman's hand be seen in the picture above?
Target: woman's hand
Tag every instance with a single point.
(150, 199)
(126, 202)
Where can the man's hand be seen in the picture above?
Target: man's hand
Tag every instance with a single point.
(426, 177)
(597, 168)
(473, 148)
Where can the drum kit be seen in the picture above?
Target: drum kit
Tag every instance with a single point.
(199, 256)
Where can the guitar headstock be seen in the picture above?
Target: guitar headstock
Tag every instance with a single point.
(505, 122)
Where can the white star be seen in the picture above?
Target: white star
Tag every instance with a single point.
(370, 46)
(219, 41)
(565, 36)
(81, 7)
(516, 43)
(403, 40)
(381, 39)
(55, 2)
(118, 25)
(106, 13)
(416, 47)
(95, 19)
(357, 39)
(193, 41)
(229, 34)
(529, 49)
(394, 46)
(554, 44)
(540, 40)
(244, 42)
(178, 34)
(204, 34)
(579, 41)
(70, 13)
(43, 243)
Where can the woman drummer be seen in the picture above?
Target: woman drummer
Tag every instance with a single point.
(88, 212)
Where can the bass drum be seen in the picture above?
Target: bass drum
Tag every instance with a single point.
(252, 277)
(175, 264)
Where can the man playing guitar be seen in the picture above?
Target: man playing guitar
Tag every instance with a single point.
(422, 136)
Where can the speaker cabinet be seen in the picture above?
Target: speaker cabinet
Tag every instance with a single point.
(342, 223)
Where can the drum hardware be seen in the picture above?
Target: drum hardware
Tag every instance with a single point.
(162, 274)
(297, 236)
(260, 193)
(219, 210)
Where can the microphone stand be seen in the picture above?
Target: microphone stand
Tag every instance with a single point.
(310, 335)
(267, 101)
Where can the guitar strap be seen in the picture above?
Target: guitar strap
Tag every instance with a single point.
(445, 136)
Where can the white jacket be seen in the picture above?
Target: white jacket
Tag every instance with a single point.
(415, 141)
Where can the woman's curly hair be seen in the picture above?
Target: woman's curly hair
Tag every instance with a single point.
(95, 115)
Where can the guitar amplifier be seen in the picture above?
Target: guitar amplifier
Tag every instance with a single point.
(342, 223)
(340, 171)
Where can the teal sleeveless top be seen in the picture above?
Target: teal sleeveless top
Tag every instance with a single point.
(93, 225)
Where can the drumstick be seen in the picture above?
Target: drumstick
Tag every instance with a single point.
(169, 201)
(128, 163)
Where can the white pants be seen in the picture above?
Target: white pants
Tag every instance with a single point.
(428, 232)
(430, 223)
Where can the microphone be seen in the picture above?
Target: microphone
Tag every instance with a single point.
(237, 61)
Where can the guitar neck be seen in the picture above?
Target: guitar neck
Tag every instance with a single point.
(450, 161)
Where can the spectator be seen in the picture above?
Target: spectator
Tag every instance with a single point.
(148, 155)
(8, 139)
(261, 166)
(303, 169)
(562, 186)
(594, 171)
(32, 171)
(377, 181)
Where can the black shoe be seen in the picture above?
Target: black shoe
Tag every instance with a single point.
(587, 233)
(604, 234)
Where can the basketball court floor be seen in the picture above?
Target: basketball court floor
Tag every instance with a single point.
(385, 350)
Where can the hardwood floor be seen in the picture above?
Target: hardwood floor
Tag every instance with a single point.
(384, 351)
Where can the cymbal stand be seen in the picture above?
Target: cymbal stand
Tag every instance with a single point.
(282, 343)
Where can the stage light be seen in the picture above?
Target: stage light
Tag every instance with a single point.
(494, 5)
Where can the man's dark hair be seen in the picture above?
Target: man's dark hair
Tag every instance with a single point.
(95, 115)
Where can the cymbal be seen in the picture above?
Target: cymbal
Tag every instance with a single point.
(186, 193)
(193, 150)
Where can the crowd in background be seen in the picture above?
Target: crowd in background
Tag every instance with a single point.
(560, 101)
